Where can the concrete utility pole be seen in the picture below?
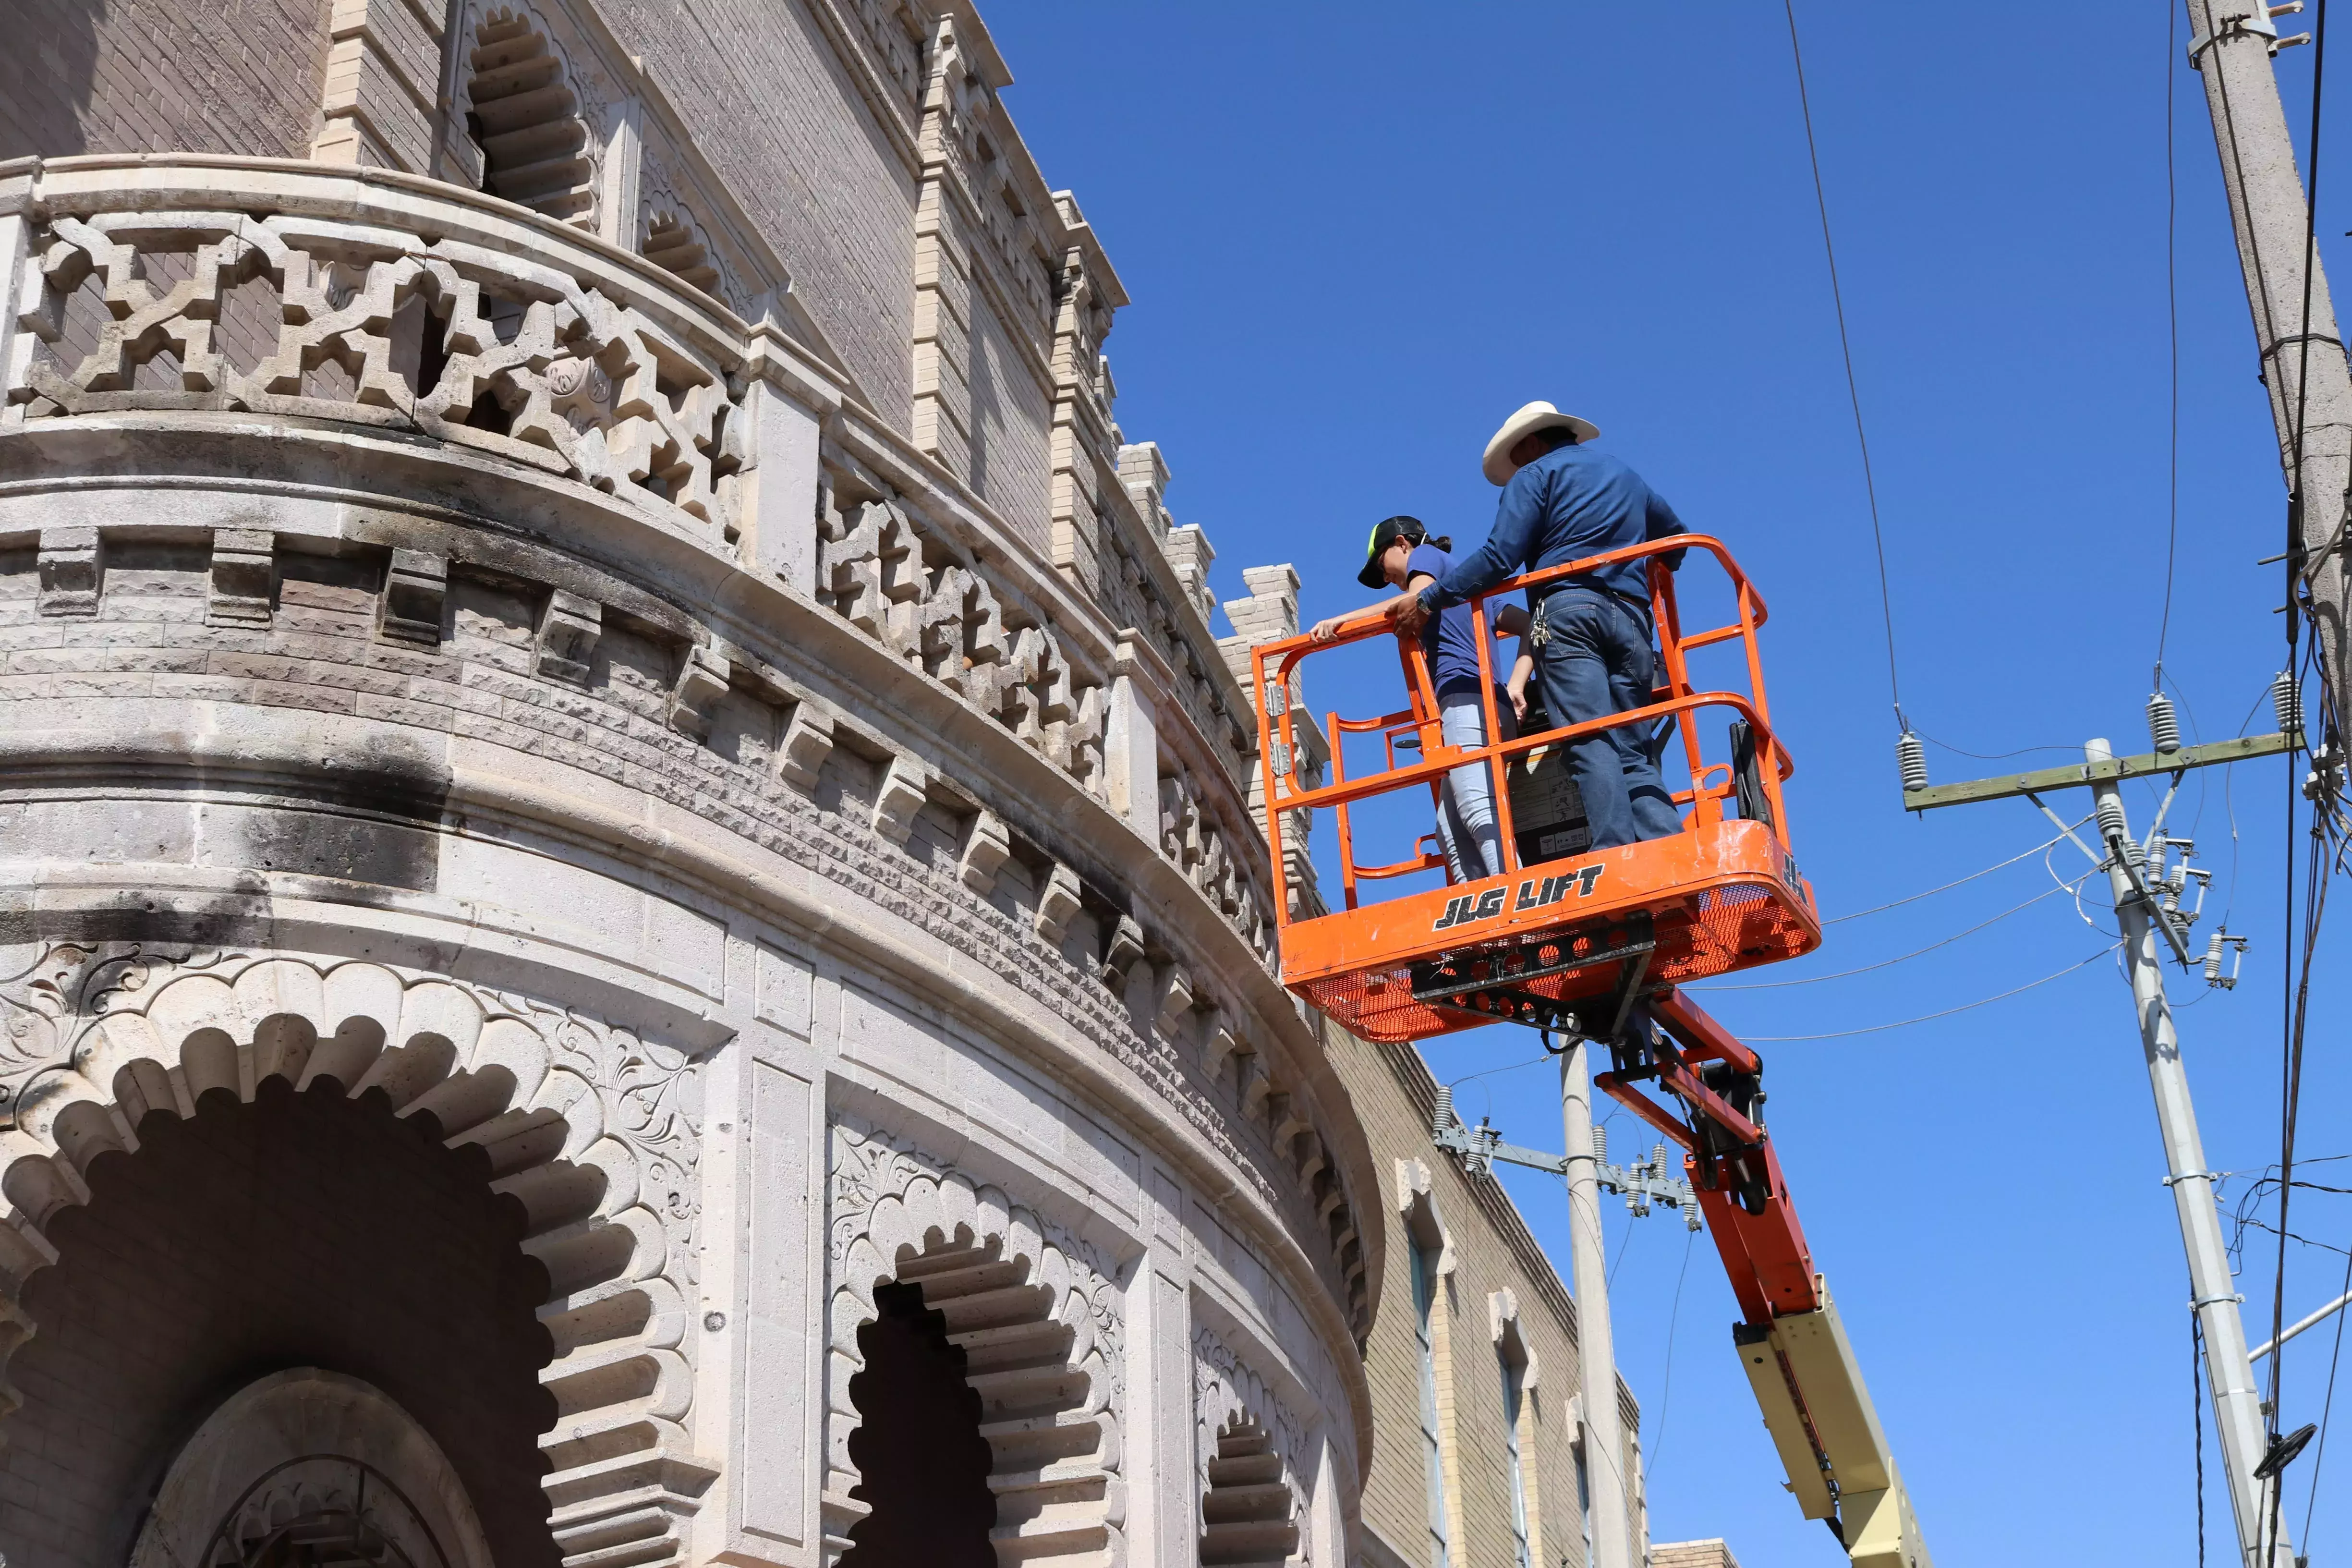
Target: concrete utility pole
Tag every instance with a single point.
(2237, 1405)
(2232, 44)
(1596, 1350)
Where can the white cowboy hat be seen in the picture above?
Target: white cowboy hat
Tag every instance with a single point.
(1535, 416)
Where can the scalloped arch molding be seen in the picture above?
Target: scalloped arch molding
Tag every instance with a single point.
(593, 1130)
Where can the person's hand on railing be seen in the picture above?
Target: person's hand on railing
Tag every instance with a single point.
(1407, 613)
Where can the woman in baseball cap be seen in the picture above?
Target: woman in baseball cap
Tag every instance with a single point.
(1401, 554)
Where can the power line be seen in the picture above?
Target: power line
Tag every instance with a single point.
(1948, 887)
(1928, 1017)
(2327, 1407)
(1887, 962)
(1845, 347)
(2172, 314)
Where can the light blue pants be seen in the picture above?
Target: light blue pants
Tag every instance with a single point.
(1466, 806)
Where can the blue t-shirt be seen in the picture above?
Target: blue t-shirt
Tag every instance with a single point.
(1447, 637)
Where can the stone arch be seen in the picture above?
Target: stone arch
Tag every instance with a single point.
(585, 1125)
(671, 235)
(1039, 1315)
(315, 1457)
(1254, 1469)
(526, 116)
(1247, 1509)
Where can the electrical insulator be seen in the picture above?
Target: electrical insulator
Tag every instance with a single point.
(2287, 698)
(1443, 1117)
(2213, 959)
(2163, 725)
(1600, 1145)
(2111, 818)
(1658, 1160)
(1912, 758)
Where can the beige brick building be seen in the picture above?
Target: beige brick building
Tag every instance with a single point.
(631, 929)
(1473, 1358)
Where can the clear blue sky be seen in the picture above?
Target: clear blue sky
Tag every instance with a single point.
(1356, 236)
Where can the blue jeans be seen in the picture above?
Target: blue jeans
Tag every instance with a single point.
(1597, 661)
(1466, 827)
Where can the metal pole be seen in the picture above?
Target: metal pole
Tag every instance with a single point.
(1605, 1463)
(2237, 1405)
(2268, 211)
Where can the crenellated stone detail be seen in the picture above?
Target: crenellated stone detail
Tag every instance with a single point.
(877, 570)
(377, 326)
(1029, 1303)
(593, 1128)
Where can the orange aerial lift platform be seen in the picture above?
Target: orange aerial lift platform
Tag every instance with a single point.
(1548, 933)
(1593, 944)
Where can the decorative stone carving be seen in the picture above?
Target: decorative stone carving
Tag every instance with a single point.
(948, 621)
(305, 1456)
(243, 567)
(416, 592)
(702, 672)
(1061, 1497)
(1175, 1001)
(1220, 1043)
(986, 845)
(546, 372)
(99, 1035)
(566, 645)
(806, 741)
(71, 564)
(1122, 953)
(1228, 1398)
(899, 797)
(1057, 900)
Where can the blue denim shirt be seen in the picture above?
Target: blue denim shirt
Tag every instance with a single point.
(1571, 502)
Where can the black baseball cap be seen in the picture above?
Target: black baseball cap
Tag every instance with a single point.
(1385, 533)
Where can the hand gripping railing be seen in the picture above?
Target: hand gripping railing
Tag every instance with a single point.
(1711, 786)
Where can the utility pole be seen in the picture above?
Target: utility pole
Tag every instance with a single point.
(2232, 44)
(2148, 909)
(2237, 1404)
(1586, 1170)
(1596, 1348)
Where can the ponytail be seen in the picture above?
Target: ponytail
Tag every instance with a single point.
(1443, 541)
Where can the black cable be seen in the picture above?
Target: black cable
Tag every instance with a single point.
(2293, 998)
(1845, 346)
(2327, 1407)
(2197, 1418)
(2172, 312)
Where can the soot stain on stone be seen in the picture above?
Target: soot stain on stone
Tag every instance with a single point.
(374, 817)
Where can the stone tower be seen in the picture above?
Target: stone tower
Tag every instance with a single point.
(630, 924)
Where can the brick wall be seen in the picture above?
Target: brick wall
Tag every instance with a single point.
(767, 97)
(151, 75)
(1492, 1252)
(300, 1230)
(1692, 1554)
(1010, 412)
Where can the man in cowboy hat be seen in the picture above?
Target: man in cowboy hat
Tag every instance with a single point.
(1563, 502)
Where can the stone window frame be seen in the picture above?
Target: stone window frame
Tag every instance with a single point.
(1521, 1370)
(1430, 1261)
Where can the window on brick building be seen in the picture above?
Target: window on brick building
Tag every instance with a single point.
(1424, 1307)
(1515, 1388)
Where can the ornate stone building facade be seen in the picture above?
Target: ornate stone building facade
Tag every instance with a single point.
(631, 930)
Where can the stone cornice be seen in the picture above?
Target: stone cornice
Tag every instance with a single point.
(543, 528)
